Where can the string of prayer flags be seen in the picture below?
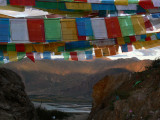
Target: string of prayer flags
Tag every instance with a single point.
(4, 30)
(99, 28)
(36, 30)
(52, 29)
(19, 31)
(69, 30)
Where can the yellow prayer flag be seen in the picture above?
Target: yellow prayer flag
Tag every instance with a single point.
(13, 8)
(69, 30)
(98, 53)
(120, 41)
(137, 45)
(121, 2)
(78, 6)
(138, 24)
(12, 56)
(28, 48)
(105, 51)
(39, 47)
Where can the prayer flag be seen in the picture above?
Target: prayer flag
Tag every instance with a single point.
(99, 28)
(36, 30)
(19, 30)
(52, 29)
(113, 27)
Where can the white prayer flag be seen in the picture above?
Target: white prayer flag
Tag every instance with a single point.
(81, 56)
(19, 30)
(156, 3)
(3, 2)
(99, 28)
(129, 7)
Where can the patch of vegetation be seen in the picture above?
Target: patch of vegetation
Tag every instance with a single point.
(122, 94)
(111, 106)
(44, 114)
(155, 64)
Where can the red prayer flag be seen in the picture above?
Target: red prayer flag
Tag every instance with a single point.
(148, 24)
(30, 56)
(20, 48)
(148, 38)
(130, 48)
(113, 27)
(36, 30)
(112, 50)
(146, 4)
(132, 38)
(74, 56)
(23, 2)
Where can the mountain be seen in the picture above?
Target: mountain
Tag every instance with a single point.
(128, 96)
(14, 102)
(73, 79)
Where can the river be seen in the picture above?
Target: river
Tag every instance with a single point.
(66, 107)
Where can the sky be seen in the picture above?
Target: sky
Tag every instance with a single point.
(151, 53)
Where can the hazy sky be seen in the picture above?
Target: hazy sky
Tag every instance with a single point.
(140, 54)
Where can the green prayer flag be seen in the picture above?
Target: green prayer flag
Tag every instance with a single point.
(66, 55)
(126, 26)
(21, 55)
(61, 49)
(133, 1)
(50, 5)
(3, 47)
(11, 47)
(127, 39)
(52, 29)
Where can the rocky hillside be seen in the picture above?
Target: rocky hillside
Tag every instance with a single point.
(70, 78)
(14, 103)
(131, 96)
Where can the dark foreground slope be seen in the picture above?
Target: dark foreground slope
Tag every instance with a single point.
(133, 96)
(14, 103)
